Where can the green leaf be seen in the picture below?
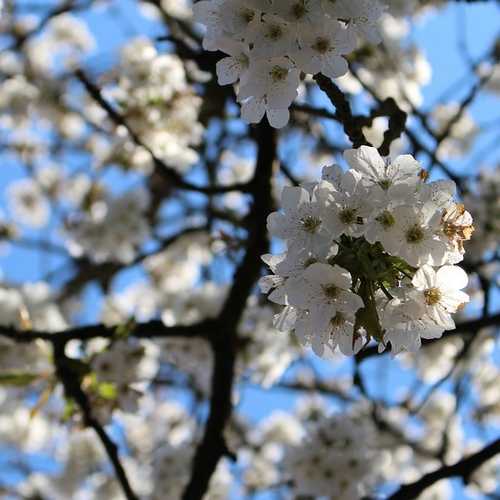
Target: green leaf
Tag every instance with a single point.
(125, 329)
(107, 390)
(18, 379)
(69, 409)
(367, 317)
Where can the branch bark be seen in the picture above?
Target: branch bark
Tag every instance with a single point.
(463, 469)
(72, 388)
(224, 343)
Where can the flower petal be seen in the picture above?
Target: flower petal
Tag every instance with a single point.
(424, 278)
(451, 278)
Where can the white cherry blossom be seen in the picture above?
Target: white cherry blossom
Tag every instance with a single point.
(441, 292)
(355, 243)
(302, 224)
(311, 35)
(414, 235)
(322, 48)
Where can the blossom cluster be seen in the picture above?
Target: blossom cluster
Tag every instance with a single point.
(271, 42)
(158, 103)
(119, 370)
(371, 254)
(171, 473)
(339, 458)
(112, 229)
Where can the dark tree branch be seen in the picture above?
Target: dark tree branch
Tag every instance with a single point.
(72, 388)
(352, 126)
(397, 124)
(463, 469)
(224, 345)
(148, 330)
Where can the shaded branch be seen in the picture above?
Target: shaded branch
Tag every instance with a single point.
(463, 469)
(150, 329)
(352, 126)
(224, 344)
(72, 388)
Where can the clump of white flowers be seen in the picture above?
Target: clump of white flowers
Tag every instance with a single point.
(112, 229)
(271, 42)
(460, 127)
(370, 255)
(171, 474)
(121, 370)
(28, 203)
(159, 104)
(339, 458)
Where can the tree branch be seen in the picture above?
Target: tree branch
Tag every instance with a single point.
(352, 126)
(72, 388)
(224, 345)
(463, 468)
(148, 330)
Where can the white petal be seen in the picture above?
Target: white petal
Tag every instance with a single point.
(272, 260)
(253, 110)
(228, 70)
(266, 283)
(325, 274)
(405, 166)
(318, 346)
(424, 278)
(278, 295)
(278, 118)
(334, 66)
(349, 302)
(451, 277)
(292, 197)
(277, 225)
(366, 160)
(441, 317)
(285, 321)
(453, 300)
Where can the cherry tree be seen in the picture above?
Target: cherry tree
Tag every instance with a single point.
(244, 254)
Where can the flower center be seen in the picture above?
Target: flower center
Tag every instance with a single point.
(274, 32)
(331, 291)
(337, 320)
(278, 74)
(348, 215)
(415, 234)
(321, 45)
(385, 184)
(29, 200)
(243, 60)
(310, 224)
(247, 15)
(432, 296)
(299, 10)
(386, 219)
